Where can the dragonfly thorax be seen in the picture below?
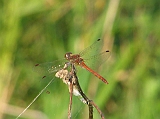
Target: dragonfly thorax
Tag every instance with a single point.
(74, 58)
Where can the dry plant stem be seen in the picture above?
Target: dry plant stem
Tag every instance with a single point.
(76, 84)
(70, 78)
(89, 102)
(90, 111)
(99, 111)
(70, 100)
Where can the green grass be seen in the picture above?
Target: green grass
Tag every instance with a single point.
(40, 31)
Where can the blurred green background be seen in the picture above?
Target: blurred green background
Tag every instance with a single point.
(36, 31)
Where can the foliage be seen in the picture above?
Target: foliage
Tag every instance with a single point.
(43, 30)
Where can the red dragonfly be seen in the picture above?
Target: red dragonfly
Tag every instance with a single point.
(82, 59)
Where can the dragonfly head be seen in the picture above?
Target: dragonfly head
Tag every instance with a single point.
(68, 55)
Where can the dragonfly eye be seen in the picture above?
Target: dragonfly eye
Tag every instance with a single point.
(68, 55)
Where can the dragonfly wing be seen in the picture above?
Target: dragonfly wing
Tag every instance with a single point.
(92, 50)
(50, 67)
(96, 60)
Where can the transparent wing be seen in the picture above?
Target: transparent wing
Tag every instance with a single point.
(47, 68)
(98, 59)
(92, 55)
(92, 50)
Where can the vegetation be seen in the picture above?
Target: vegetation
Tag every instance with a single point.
(40, 31)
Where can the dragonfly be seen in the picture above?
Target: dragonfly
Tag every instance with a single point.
(82, 59)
